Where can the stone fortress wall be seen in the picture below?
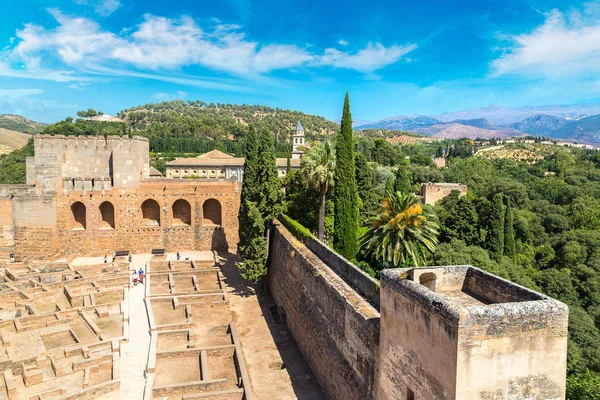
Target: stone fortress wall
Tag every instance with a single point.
(94, 196)
(432, 333)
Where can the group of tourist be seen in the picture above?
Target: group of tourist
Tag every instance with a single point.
(137, 276)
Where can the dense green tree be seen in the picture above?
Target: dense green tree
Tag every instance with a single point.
(254, 250)
(403, 233)
(318, 168)
(270, 201)
(345, 193)
(585, 212)
(585, 386)
(462, 222)
(510, 248)
(403, 183)
(12, 165)
(495, 235)
(250, 188)
(389, 184)
(364, 184)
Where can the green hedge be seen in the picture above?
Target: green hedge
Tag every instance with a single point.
(299, 231)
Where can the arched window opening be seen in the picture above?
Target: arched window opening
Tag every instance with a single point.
(428, 280)
(182, 213)
(79, 215)
(211, 210)
(150, 213)
(107, 215)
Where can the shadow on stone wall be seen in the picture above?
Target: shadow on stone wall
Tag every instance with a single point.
(219, 240)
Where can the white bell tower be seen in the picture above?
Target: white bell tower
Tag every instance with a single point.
(298, 141)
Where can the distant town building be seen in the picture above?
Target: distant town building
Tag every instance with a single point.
(298, 142)
(104, 118)
(433, 192)
(217, 165)
(439, 162)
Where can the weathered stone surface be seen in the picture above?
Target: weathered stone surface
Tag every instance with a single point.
(336, 329)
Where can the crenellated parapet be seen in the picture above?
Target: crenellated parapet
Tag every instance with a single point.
(63, 159)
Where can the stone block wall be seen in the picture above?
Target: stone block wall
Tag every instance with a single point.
(336, 329)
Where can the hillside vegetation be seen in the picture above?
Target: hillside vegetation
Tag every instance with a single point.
(220, 121)
(18, 123)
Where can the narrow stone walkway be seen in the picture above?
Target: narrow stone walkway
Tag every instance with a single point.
(134, 355)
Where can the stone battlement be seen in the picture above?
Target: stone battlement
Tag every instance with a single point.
(62, 142)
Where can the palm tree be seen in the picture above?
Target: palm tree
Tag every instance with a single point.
(402, 233)
(318, 167)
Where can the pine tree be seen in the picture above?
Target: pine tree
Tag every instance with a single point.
(345, 193)
(495, 236)
(288, 166)
(270, 198)
(403, 183)
(509, 232)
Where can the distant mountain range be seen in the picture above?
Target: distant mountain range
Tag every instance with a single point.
(578, 122)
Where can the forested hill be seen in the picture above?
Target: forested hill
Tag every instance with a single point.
(18, 123)
(220, 121)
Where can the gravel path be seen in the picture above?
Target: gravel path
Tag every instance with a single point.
(134, 355)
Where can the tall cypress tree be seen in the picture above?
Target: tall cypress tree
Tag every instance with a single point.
(510, 248)
(270, 198)
(495, 236)
(403, 183)
(344, 191)
(364, 183)
(250, 187)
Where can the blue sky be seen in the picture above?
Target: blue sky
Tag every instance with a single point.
(395, 57)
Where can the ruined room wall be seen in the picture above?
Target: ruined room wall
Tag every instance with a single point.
(7, 229)
(418, 345)
(34, 219)
(336, 329)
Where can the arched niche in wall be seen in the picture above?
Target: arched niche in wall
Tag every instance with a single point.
(150, 213)
(78, 216)
(211, 211)
(107, 215)
(182, 212)
(428, 280)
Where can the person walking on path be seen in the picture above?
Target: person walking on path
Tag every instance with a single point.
(178, 256)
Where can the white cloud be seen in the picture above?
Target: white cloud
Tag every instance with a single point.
(369, 59)
(158, 44)
(107, 7)
(18, 93)
(102, 7)
(162, 96)
(78, 86)
(564, 45)
(342, 42)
